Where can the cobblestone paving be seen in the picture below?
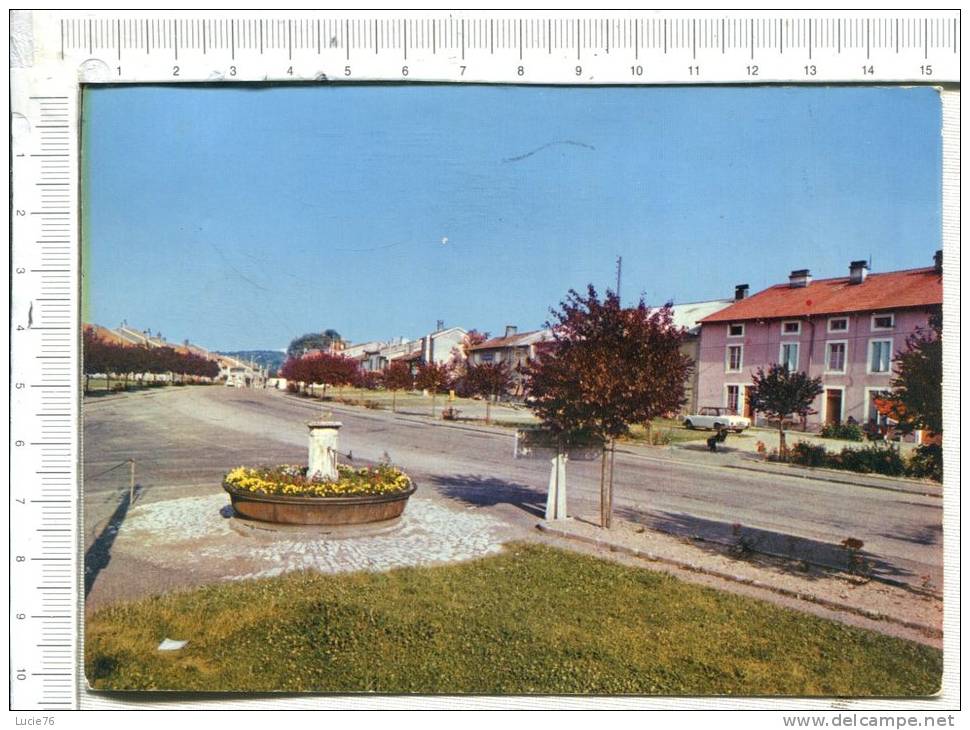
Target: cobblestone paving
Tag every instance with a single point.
(194, 532)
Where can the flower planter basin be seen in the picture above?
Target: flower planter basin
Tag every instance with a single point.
(298, 510)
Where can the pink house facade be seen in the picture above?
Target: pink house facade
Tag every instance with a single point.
(846, 331)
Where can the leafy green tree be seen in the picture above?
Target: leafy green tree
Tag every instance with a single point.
(781, 393)
(607, 368)
(313, 341)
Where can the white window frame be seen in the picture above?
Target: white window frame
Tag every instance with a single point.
(735, 324)
(727, 358)
(845, 359)
(825, 403)
(798, 330)
(890, 328)
(867, 400)
(740, 387)
(798, 354)
(828, 325)
(872, 342)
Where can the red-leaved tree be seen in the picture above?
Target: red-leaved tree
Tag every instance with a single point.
(322, 368)
(398, 376)
(434, 377)
(608, 367)
(490, 380)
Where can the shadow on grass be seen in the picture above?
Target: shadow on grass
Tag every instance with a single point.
(741, 541)
(488, 491)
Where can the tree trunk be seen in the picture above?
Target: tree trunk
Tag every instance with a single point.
(782, 446)
(434, 393)
(605, 516)
(609, 504)
(488, 410)
(394, 401)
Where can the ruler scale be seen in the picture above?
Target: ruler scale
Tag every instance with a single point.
(666, 49)
(55, 52)
(43, 494)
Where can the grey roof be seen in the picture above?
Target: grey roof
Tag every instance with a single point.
(688, 314)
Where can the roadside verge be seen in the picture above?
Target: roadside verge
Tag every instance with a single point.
(920, 612)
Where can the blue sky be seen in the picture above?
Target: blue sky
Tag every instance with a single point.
(243, 217)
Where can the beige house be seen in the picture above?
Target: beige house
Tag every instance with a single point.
(688, 315)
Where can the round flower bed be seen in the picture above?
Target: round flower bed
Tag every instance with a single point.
(285, 494)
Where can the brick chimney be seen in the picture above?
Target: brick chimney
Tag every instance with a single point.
(799, 278)
(938, 261)
(858, 271)
(740, 292)
(510, 329)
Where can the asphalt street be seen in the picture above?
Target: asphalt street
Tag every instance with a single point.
(184, 439)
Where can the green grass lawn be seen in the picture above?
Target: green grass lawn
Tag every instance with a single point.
(668, 431)
(530, 620)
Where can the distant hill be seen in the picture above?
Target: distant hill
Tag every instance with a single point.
(270, 359)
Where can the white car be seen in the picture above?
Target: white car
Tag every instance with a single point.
(717, 418)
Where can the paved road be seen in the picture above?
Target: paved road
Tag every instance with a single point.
(185, 439)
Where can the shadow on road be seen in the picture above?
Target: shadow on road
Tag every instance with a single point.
(97, 557)
(489, 491)
(702, 447)
(744, 541)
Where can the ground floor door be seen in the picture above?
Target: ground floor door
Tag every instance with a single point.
(833, 405)
(748, 410)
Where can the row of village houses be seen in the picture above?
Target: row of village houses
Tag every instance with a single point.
(846, 330)
(232, 370)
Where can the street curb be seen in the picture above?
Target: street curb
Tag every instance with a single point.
(929, 631)
(796, 472)
(415, 418)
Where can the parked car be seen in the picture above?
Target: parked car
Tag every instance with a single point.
(717, 418)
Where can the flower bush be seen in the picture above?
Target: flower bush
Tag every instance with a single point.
(886, 459)
(293, 480)
(844, 431)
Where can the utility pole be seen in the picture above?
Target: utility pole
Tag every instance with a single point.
(619, 274)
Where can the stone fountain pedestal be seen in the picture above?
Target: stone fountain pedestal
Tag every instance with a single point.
(324, 436)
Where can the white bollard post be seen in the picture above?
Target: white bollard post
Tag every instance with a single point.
(323, 449)
(556, 501)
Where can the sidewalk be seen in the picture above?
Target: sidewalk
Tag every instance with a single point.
(898, 610)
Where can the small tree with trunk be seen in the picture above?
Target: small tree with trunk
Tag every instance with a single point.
(435, 378)
(489, 380)
(96, 354)
(398, 376)
(607, 368)
(916, 400)
(330, 369)
(782, 393)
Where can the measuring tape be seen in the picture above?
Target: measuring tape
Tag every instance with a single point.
(53, 54)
